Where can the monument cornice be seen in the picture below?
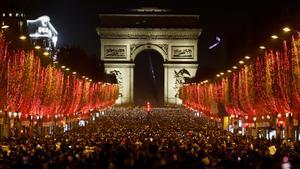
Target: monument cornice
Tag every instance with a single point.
(149, 33)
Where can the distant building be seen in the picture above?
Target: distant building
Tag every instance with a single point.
(40, 31)
(13, 25)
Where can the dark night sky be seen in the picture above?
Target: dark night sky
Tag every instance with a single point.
(242, 25)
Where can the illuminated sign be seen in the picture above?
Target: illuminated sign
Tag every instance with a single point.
(42, 28)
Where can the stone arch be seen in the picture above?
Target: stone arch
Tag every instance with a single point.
(148, 85)
(148, 46)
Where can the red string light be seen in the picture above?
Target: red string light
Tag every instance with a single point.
(269, 85)
(28, 87)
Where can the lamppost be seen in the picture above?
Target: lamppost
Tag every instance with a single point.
(246, 124)
(15, 125)
(281, 128)
(269, 126)
(298, 127)
(55, 123)
(6, 126)
(254, 120)
(287, 124)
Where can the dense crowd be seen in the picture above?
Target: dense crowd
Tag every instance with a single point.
(131, 138)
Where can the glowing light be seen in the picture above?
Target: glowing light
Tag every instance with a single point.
(279, 115)
(46, 53)
(229, 71)
(90, 80)
(37, 47)
(22, 37)
(86, 78)
(63, 67)
(42, 28)
(262, 47)
(221, 73)
(218, 75)
(241, 62)
(247, 57)
(83, 77)
(4, 26)
(215, 44)
(268, 116)
(254, 118)
(274, 37)
(67, 69)
(246, 117)
(234, 67)
(286, 29)
(74, 73)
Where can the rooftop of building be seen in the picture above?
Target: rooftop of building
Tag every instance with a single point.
(148, 18)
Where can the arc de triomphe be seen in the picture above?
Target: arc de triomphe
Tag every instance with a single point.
(174, 36)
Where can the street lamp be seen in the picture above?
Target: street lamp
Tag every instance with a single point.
(46, 53)
(281, 128)
(262, 47)
(254, 120)
(274, 37)
(286, 29)
(22, 37)
(4, 26)
(37, 47)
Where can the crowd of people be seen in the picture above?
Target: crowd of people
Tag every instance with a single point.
(132, 138)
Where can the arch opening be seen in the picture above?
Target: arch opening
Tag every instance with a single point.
(149, 78)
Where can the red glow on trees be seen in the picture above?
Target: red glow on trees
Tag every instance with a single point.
(269, 85)
(28, 87)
